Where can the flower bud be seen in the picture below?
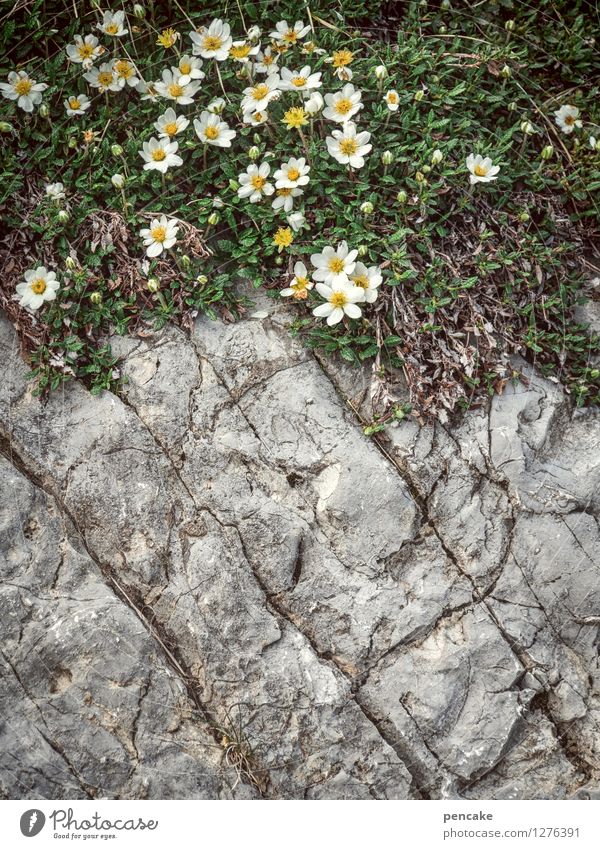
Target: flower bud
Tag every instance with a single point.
(362, 250)
(253, 153)
(186, 262)
(217, 203)
(420, 177)
(72, 142)
(506, 72)
(402, 197)
(419, 95)
(443, 29)
(214, 218)
(367, 208)
(139, 11)
(527, 128)
(63, 216)
(254, 33)
(436, 157)
(524, 217)
(153, 284)
(445, 5)
(216, 106)
(116, 150)
(387, 157)
(380, 72)
(118, 181)
(234, 185)
(593, 143)
(512, 106)
(70, 263)
(426, 169)
(96, 297)
(44, 110)
(547, 152)
(509, 25)
(201, 279)
(5, 127)
(256, 138)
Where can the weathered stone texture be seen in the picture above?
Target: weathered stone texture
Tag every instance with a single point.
(216, 586)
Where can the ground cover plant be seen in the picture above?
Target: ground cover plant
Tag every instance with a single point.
(418, 181)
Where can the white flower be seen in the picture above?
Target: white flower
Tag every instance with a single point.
(171, 87)
(113, 23)
(344, 74)
(482, 170)
(161, 235)
(77, 104)
(302, 80)
(392, 100)
(104, 78)
(368, 279)
(257, 97)
(297, 221)
(23, 89)
(593, 142)
(334, 265)
(285, 34)
(254, 33)
(342, 105)
(85, 50)
(314, 104)
(284, 199)
(341, 299)
(39, 285)
(349, 147)
(125, 72)
(292, 174)
(255, 119)
(55, 191)
(300, 284)
(242, 51)
(253, 184)
(118, 181)
(567, 118)
(160, 154)
(169, 124)
(214, 42)
(189, 69)
(216, 106)
(147, 90)
(211, 130)
(266, 61)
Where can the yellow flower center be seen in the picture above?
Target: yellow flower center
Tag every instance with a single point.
(123, 68)
(291, 36)
(480, 171)
(293, 174)
(38, 286)
(240, 52)
(175, 90)
(185, 67)
(268, 60)
(299, 81)
(338, 299)
(211, 133)
(170, 129)
(23, 87)
(342, 58)
(343, 106)
(260, 91)
(361, 280)
(336, 264)
(348, 147)
(167, 38)
(212, 42)
(295, 117)
(570, 120)
(158, 154)
(111, 29)
(85, 51)
(105, 78)
(258, 116)
(300, 284)
(283, 237)
(284, 192)
(392, 97)
(158, 233)
(258, 182)
(74, 103)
